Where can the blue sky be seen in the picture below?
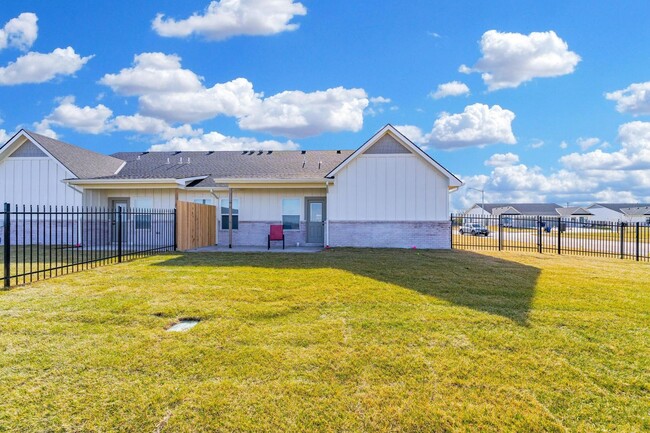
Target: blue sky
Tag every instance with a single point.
(530, 101)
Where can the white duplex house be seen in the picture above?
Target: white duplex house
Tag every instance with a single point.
(386, 193)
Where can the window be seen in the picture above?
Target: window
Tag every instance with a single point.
(291, 214)
(206, 201)
(142, 206)
(224, 214)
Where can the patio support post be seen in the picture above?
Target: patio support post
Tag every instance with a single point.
(229, 217)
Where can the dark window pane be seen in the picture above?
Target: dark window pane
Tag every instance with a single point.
(291, 222)
(143, 222)
(224, 222)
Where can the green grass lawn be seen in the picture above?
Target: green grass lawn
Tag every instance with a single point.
(340, 341)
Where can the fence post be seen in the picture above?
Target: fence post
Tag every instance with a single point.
(539, 234)
(637, 241)
(7, 245)
(559, 235)
(175, 230)
(499, 231)
(119, 234)
(622, 225)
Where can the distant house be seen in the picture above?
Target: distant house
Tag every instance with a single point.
(509, 212)
(523, 209)
(621, 212)
(386, 193)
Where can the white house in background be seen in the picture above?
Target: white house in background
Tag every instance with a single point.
(509, 212)
(621, 212)
(386, 193)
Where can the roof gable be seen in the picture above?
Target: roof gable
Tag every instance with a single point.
(386, 145)
(28, 150)
(396, 137)
(79, 161)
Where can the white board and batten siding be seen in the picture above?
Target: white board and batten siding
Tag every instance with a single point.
(154, 198)
(389, 187)
(36, 180)
(266, 204)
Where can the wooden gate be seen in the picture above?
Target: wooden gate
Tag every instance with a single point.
(196, 225)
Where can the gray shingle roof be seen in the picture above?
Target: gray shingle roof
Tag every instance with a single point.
(573, 211)
(81, 162)
(637, 210)
(617, 207)
(534, 209)
(286, 165)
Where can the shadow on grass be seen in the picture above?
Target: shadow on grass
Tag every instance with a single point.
(467, 279)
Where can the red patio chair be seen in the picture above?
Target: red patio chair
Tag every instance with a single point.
(276, 234)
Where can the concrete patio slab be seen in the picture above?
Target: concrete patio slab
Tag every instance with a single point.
(256, 249)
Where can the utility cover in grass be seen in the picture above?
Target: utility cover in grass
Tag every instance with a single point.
(184, 325)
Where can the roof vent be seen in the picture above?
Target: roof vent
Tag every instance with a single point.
(189, 161)
(211, 152)
(181, 160)
(303, 151)
(260, 152)
(338, 151)
(304, 161)
(269, 152)
(138, 158)
(251, 152)
(177, 152)
(144, 153)
(319, 164)
(168, 162)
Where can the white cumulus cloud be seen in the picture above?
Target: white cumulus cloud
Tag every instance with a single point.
(477, 125)
(634, 99)
(170, 93)
(453, 88)
(510, 59)
(38, 67)
(634, 153)
(4, 136)
(20, 32)
(619, 176)
(233, 98)
(89, 120)
(217, 141)
(502, 159)
(153, 73)
(299, 114)
(227, 18)
(586, 143)
(152, 126)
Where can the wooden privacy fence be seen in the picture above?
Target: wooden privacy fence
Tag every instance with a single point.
(196, 225)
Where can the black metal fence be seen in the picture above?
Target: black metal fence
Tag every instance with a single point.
(625, 240)
(39, 242)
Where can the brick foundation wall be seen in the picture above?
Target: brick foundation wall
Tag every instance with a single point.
(390, 234)
(254, 233)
